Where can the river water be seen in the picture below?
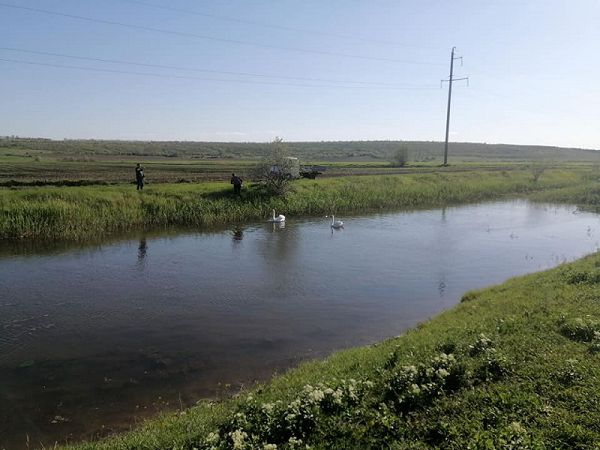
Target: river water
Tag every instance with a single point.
(97, 336)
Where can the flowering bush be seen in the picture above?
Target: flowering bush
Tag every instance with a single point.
(408, 386)
(482, 344)
(342, 408)
(278, 425)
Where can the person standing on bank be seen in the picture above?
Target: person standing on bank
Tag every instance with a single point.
(237, 184)
(139, 176)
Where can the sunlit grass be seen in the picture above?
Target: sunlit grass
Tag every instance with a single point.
(79, 212)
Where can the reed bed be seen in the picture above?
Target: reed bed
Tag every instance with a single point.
(77, 213)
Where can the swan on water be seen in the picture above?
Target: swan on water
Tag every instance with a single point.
(336, 223)
(277, 219)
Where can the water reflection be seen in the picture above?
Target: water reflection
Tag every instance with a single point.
(142, 250)
(204, 313)
(277, 226)
(237, 234)
(442, 288)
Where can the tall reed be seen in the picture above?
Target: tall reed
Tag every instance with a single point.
(75, 213)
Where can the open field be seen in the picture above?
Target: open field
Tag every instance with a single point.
(512, 366)
(80, 212)
(419, 151)
(523, 370)
(45, 162)
(104, 170)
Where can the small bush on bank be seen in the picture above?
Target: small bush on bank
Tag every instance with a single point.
(582, 330)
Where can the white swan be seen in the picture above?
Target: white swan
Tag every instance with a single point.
(277, 219)
(336, 223)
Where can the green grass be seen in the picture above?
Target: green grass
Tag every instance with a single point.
(332, 150)
(586, 194)
(75, 213)
(525, 367)
(524, 374)
(35, 162)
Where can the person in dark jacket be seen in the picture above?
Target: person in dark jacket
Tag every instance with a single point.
(237, 184)
(139, 176)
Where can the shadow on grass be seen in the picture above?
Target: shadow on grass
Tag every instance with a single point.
(252, 193)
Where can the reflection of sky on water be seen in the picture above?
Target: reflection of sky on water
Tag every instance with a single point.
(232, 305)
(398, 264)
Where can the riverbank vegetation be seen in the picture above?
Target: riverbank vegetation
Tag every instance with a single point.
(514, 366)
(75, 213)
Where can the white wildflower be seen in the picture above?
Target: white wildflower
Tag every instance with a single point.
(517, 428)
(295, 404)
(239, 439)
(316, 396)
(415, 389)
(410, 369)
(268, 407)
(338, 396)
(351, 393)
(294, 443)
(442, 373)
(212, 438)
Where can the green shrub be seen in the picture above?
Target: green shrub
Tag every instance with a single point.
(582, 330)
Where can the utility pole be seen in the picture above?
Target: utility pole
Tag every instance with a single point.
(450, 80)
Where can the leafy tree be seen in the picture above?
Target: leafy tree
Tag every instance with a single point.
(273, 171)
(400, 156)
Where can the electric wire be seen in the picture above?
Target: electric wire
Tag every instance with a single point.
(277, 27)
(212, 38)
(222, 72)
(184, 77)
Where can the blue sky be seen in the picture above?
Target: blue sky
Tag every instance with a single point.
(534, 68)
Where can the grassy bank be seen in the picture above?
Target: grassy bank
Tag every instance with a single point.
(515, 366)
(75, 213)
(586, 194)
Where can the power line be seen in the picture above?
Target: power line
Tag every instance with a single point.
(222, 72)
(212, 38)
(275, 27)
(184, 77)
(450, 80)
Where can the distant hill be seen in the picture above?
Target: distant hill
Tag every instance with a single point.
(308, 151)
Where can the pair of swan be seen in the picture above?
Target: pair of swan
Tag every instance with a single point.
(281, 218)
